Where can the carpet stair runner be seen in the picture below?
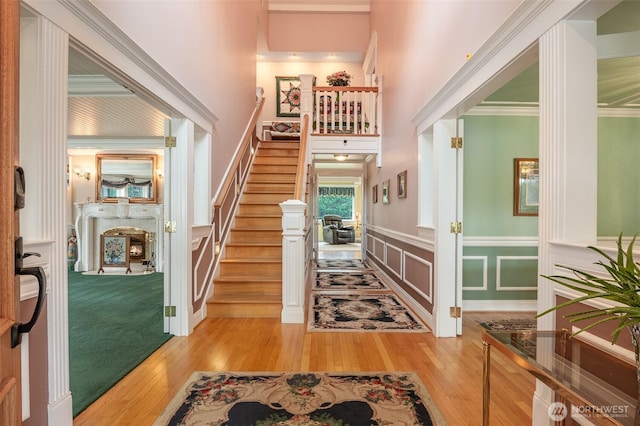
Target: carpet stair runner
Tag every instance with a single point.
(250, 280)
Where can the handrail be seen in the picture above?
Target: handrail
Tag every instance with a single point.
(236, 162)
(209, 250)
(302, 155)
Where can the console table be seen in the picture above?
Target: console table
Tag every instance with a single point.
(592, 383)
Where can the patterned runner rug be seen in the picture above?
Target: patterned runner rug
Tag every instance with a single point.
(232, 398)
(348, 281)
(341, 264)
(365, 312)
(509, 324)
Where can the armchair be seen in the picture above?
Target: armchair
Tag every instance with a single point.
(334, 232)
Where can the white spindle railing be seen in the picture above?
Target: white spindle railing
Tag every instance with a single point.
(345, 110)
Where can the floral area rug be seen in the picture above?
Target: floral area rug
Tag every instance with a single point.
(363, 312)
(509, 324)
(363, 399)
(341, 264)
(348, 281)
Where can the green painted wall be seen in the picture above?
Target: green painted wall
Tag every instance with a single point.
(514, 266)
(618, 176)
(490, 145)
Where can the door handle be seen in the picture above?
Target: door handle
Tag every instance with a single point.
(18, 328)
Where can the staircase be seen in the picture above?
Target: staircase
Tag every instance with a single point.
(250, 280)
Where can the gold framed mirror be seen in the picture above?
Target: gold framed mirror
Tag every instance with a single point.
(126, 176)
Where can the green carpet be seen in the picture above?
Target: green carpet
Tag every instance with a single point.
(115, 322)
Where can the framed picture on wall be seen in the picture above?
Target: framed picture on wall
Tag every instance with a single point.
(385, 191)
(374, 193)
(288, 96)
(402, 184)
(526, 178)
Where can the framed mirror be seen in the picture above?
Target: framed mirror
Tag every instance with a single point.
(130, 176)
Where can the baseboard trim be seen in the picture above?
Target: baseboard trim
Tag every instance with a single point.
(499, 305)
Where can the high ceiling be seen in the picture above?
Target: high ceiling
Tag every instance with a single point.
(100, 108)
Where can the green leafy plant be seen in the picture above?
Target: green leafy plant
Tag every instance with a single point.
(621, 286)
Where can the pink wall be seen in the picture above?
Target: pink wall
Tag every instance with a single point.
(418, 51)
(215, 62)
(321, 32)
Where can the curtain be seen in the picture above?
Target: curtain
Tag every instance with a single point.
(336, 191)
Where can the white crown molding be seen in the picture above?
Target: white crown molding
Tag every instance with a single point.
(533, 110)
(96, 85)
(314, 6)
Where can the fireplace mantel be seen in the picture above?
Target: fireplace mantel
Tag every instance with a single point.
(92, 219)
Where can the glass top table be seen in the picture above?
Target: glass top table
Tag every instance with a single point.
(588, 382)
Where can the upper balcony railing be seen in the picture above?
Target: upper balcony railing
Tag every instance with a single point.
(345, 110)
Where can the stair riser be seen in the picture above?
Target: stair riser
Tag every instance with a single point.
(247, 288)
(255, 236)
(244, 310)
(274, 168)
(258, 209)
(275, 160)
(277, 152)
(279, 144)
(242, 269)
(275, 198)
(259, 222)
(270, 187)
(252, 252)
(272, 178)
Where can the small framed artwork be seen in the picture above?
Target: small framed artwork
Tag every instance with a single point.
(114, 252)
(402, 184)
(288, 96)
(385, 191)
(526, 178)
(374, 193)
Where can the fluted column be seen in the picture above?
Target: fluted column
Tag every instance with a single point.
(568, 158)
(43, 152)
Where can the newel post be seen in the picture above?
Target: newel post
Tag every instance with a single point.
(293, 261)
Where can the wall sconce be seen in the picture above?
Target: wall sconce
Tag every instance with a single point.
(340, 157)
(83, 174)
(160, 173)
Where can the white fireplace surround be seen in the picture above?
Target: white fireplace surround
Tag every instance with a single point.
(92, 219)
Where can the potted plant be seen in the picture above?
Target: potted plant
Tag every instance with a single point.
(621, 286)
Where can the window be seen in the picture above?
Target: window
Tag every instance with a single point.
(336, 200)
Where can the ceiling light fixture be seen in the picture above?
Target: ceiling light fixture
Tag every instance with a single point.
(340, 157)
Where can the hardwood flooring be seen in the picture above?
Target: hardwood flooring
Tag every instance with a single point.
(451, 368)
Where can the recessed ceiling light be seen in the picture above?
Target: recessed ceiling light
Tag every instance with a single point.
(294, 56)
(340, 157)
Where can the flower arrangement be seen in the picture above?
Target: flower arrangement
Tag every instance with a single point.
(339, 78)
(113, 250)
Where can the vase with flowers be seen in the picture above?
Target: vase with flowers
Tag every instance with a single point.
(339, 78)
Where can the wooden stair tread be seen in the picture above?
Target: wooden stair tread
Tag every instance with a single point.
(253, 260)
(242, 278)
(260, 298)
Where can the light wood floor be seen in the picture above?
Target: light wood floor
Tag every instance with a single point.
(451, 368)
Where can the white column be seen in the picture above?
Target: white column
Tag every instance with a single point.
(180, 209)
(568, 157)
(43, 151)
(444, 166)
(293, 261)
